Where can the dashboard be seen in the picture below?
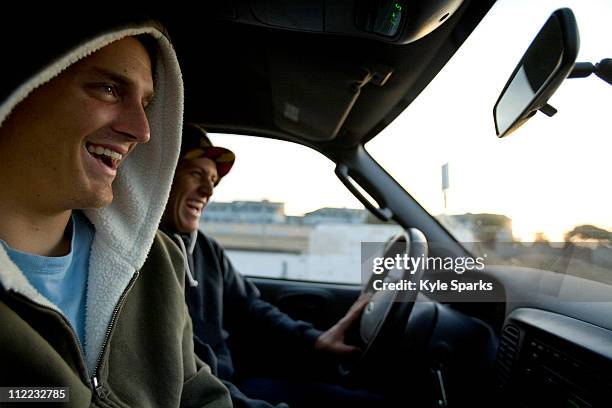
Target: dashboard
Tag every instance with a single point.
(547, 359)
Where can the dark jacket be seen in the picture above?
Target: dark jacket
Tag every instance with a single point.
(225, 304)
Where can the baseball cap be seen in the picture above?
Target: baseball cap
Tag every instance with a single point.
(196, 144)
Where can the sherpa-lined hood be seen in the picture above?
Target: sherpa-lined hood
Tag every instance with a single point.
(125, 229)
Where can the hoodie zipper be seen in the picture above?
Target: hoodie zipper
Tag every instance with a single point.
(94, 382)
(96, 385)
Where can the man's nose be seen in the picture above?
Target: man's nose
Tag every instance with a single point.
(133, 122)
(206, 188)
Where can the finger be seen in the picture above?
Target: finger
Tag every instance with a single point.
(358, 306)
(362, 301)
(346, 349)
(353, 313)
(344, 323)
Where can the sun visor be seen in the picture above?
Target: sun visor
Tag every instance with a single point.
(312, 101)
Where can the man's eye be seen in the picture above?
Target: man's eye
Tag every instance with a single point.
(106, 92)
(110, 90)
(196, 174)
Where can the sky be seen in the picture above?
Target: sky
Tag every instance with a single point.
(548, 176)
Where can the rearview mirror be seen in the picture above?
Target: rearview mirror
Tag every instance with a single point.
(546, 63)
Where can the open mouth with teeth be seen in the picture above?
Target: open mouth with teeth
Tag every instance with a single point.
(108, 157)
(195, 206)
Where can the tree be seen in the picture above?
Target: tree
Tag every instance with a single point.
(588, 233)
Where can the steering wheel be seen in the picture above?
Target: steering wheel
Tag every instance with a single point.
(411, 243)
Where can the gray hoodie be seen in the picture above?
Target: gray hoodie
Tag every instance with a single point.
(125, 230)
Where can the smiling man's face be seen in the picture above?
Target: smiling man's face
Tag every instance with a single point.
(193, 185)
(66, 141)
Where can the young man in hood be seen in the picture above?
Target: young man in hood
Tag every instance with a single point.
(222, 302)
(91, 296)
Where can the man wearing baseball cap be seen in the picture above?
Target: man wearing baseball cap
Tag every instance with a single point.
(220, 300)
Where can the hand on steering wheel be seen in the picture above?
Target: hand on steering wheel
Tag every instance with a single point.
(333, 340)
(377, 311)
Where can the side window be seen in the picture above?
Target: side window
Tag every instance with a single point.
(282, 213)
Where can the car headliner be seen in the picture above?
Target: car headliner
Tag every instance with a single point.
(305, 87)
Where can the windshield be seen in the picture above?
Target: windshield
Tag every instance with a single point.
(548, 182)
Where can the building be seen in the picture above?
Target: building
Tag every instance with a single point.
(246, 212)
(269, 212)
(329, 215)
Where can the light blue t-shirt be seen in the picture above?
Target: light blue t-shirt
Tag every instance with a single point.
(62, 279)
